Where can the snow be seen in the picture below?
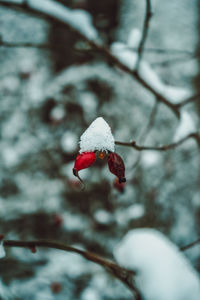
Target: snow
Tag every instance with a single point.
(90, 293)
(163, 271)
(57, 113)
(98, 136)
(185, 127)
(173, 94)
(103, 217)
(132, 212)
(69, 142)
(78, 19)
(125, 56)
(2, 251)
(150, 158)
(134, 38)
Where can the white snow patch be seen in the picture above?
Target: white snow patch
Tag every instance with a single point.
(125, 56)
(185, 127)
(88, 102)
(134, 38)
(163, 271)
(135, 211)
(78, 19)
(90, 293)
(2, 251)
(74, 222)
(98, 136)
(177, 94)
(10, 157)
(150, 158)
(57, 113)
(69, 142)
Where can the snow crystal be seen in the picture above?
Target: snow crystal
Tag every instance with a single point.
(135, 211)
(185, 127)
(2, 251)
(78, 19)
(163, 271)
(98, 136)
(69, 142)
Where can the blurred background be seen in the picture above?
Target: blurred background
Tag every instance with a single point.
(52, 86)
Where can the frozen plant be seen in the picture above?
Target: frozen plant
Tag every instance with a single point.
(98, 138)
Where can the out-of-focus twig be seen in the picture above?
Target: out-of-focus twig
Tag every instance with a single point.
(124, 275)
(189, 100)
(133, 144)
(147, 18)
(186, 247)
(23, 45)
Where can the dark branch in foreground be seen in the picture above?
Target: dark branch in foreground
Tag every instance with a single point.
(124, 275)
(148, 16)
(133, 144)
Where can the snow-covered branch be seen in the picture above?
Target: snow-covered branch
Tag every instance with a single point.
(188, 101)
(124, 275)
(133, 144)
(190, 245)
(52, 10)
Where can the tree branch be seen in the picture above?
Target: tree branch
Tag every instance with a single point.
(124, 275)
(147, 18)
(190, 245)
(103, 50)
(189, 100)
(133, 144)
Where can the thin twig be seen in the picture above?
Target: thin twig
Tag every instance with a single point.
(133, 144)
(186, 247)
(189, 100)
(124, 275)
(23, 45)
(103, 50)
(147, 18)
(47, 46)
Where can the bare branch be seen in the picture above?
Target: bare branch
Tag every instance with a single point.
(147, 18)
(124, 275)
(23, 45)
(190, 245)
(189, 100)
(103, 50)
(133, 144)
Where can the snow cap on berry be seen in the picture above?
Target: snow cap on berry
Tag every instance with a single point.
(98, 137)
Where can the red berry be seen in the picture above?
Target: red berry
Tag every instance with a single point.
(116, 166)
(84, 160)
